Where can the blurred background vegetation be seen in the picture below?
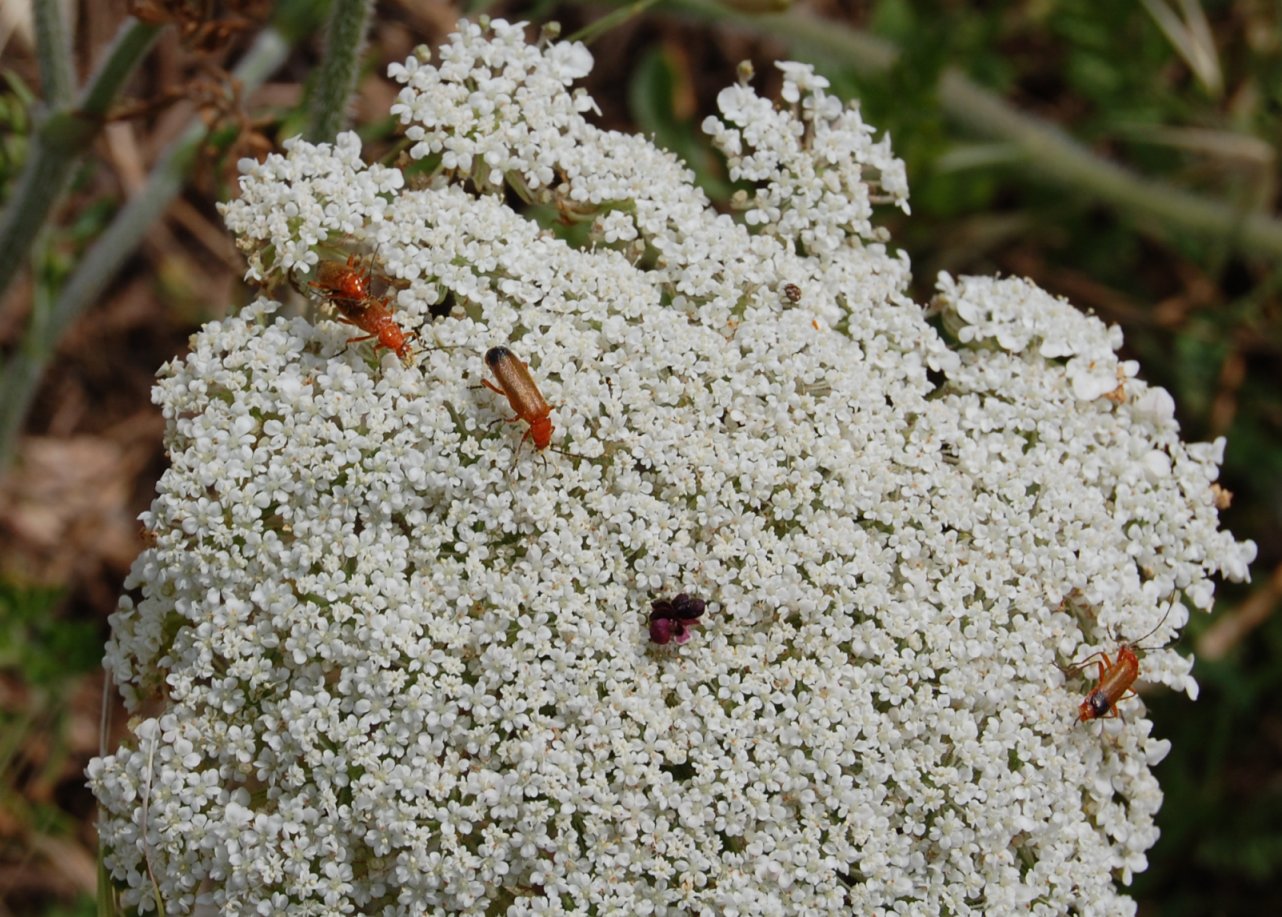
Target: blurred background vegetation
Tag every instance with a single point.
(1124, 155)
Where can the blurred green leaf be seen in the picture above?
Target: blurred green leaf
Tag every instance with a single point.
(40, 646)
(653, 92)
(15, 126)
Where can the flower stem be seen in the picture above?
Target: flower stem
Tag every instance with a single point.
(24, 368)
(60, 140)
(340, 65)
(53, 52)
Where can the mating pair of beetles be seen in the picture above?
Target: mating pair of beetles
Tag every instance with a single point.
(347, 287)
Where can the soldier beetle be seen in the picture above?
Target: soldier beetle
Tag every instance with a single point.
(517, 385)
(347, 287)
(1114, 677)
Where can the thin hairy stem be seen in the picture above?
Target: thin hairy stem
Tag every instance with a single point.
(24, 368)
(340, 66)
(59, 142)
(53, 53)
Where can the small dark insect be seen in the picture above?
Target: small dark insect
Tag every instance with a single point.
(675, 619)
(793, 292)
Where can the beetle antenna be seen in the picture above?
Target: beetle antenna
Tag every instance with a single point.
(1136, 643)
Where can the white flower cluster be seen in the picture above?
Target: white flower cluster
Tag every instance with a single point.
(813, 165)
(404, 660)
(333, 195)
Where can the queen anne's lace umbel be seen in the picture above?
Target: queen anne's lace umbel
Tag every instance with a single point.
(402, 672)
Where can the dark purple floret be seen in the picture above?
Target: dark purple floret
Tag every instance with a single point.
(687, 608)
(661, 608)
(674, 619)
(663, 630)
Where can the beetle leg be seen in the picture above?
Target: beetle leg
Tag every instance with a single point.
(1092, 659)
(1104, 664)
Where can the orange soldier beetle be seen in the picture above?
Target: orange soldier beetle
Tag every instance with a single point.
(523, 395)
(1114, 678)
(348, 288)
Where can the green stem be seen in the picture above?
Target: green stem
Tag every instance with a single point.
(53, 51)
(23, 370)
(57, 145)
(613, 19)
(132, 41)
(1058, 156)
(1051, 154)
(340, 66)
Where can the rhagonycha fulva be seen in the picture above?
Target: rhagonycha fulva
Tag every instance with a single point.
(1114, 678)
(518, 386)
(347, 287)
